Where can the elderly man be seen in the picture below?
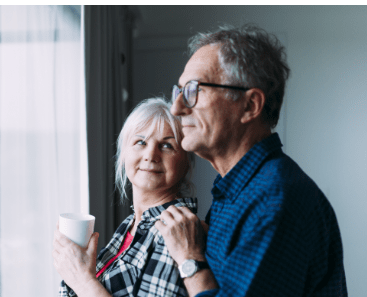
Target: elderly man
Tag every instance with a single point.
(272, 232)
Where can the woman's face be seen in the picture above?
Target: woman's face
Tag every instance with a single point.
(157, 163)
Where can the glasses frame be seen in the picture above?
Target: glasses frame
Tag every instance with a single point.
(182, 90)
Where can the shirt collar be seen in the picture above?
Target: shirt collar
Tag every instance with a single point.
(153, 214)
(237, 178)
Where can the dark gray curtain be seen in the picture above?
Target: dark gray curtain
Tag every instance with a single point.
(108, 44)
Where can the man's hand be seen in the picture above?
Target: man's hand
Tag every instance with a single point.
(183, 233)
(185, 238)
(76, 265)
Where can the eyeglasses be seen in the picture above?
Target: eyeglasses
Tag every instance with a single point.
(191, 88)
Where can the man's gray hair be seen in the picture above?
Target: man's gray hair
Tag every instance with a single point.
(151, 114)
(250, 58)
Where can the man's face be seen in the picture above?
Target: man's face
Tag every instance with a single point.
(208, 126)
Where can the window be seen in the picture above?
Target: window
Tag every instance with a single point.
(42, 140)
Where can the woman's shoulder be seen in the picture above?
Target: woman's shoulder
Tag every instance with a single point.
(121, 230)
(189, 202)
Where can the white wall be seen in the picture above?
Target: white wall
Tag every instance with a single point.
(326, 107)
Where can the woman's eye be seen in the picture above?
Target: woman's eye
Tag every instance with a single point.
(199, 89)
(167, 145)
(141, 142)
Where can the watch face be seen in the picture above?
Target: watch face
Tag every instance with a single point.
(189, 267)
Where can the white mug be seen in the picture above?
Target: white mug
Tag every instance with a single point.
(77, 227)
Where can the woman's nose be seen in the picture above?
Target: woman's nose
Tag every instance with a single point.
(152, 154)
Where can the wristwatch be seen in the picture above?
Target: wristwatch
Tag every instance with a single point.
(190, 267)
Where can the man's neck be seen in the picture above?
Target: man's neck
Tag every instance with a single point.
(224, 159)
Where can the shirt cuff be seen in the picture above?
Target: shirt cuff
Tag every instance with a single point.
(208, 293)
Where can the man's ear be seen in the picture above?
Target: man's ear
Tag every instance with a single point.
(253, 105)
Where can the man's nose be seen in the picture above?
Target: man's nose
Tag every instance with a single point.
(178, 107)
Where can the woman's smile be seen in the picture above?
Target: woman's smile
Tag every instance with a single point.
(151, 171)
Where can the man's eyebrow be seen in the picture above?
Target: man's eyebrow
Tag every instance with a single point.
(197, 79)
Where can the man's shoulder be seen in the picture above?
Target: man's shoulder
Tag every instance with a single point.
(281, 181)
(280, 171)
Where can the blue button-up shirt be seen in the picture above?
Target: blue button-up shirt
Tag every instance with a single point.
(272, 232)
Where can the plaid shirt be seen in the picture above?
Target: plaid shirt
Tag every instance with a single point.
(145, 268)
(272, 231)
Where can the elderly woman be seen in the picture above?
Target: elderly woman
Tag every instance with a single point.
(136, 261)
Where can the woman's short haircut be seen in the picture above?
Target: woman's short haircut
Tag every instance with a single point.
(153, 114)
(251, 58)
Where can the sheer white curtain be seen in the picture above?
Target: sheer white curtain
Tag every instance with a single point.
(42, 140)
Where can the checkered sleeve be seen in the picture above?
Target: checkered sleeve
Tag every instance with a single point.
(65, 290)
(145, 268)
(161, 276)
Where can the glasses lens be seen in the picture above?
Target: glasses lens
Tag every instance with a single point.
(175, 92)
(190, 93)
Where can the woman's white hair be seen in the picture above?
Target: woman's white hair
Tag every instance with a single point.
(153, 113)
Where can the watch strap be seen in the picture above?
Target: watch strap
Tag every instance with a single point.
(202, 265)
